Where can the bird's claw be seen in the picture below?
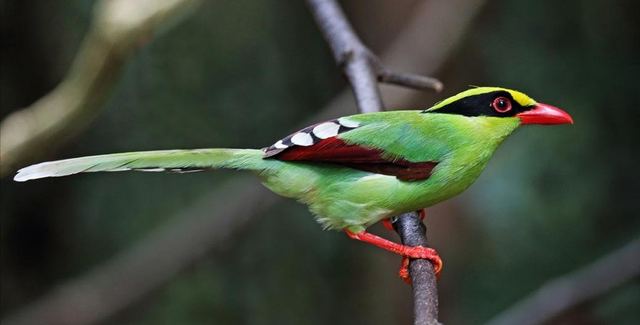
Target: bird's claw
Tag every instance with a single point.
(406, 252)
(419, 252)
(404, 270)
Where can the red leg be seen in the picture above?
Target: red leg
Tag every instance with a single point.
(387, 224)
(405, 251)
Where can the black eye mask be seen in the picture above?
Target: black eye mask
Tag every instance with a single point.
(494, 104)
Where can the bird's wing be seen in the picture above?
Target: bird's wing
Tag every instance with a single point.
(322, 143)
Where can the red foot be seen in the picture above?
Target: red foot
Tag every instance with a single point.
(405, 251)
(421, 252)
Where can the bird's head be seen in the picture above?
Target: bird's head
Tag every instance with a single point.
(503, 103)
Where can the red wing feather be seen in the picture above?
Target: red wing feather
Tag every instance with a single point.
(332, 150)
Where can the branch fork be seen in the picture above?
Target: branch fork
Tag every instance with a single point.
(363, 69)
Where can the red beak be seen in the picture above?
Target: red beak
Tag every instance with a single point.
(545, 114)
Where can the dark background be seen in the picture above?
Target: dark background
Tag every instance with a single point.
(245, 73)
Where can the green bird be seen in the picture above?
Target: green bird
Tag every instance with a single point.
(357, 170)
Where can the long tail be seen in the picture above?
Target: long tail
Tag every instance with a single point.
(152, 161)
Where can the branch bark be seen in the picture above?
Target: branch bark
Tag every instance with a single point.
(364, 70)
(119, 29)
(575, 288)
(425, 292)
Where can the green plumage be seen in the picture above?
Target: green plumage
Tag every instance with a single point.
(339, 196)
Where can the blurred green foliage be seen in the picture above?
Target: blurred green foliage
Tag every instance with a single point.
(244, 73)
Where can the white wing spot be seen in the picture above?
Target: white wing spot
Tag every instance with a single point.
(347, 123)
(280, 145)
(302, 139)
(150, 169)
(326, 130)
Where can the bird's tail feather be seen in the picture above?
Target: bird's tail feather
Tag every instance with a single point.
(179, 161)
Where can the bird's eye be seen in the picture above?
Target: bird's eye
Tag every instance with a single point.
(502, 104)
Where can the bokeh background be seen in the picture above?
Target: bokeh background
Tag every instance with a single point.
(243, 74)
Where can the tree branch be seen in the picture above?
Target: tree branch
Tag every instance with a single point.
(361, 67)
(575, 288)
(425, 292)
(119, 29)
(363, 70)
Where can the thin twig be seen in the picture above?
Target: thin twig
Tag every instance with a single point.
(575, 288)
(410, 80)
(364, 70)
